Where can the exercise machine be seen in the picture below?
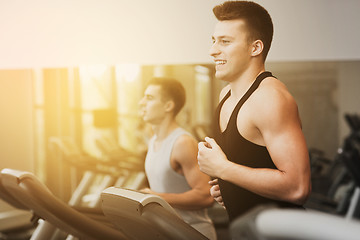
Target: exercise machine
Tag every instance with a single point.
(85, 195)
(30, 192)
(337, 190)
(17, 221)
(96, 174)
(145, 216)
(350, 152)
(271, 223)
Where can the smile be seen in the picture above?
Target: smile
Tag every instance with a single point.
(220, 62)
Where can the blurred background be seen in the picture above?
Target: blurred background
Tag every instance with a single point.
(72, 74)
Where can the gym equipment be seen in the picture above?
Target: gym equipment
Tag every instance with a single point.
(350, 155)
(337, 190)
(14, 222)
(113, 152)
(271, 223)
(326, 188)
(145, 216)
(28, 190)
(152, 215)
(96, 174)
(8, 198)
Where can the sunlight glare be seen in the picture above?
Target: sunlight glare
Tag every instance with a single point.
(127, 72)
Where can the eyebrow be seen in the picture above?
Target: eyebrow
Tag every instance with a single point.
(221, 37)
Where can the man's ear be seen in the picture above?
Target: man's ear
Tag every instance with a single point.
(257, 48)
(169, 106)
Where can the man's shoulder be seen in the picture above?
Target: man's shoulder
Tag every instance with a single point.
(184, 139)
(184, 148)
(272, 90)
(272, 102)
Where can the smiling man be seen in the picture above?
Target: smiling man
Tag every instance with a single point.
(259, 154)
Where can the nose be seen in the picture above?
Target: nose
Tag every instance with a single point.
(214, 50)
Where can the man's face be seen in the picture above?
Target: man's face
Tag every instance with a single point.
(231, 49)
(152, 105)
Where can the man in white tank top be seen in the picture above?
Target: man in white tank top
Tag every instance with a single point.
(171, 161)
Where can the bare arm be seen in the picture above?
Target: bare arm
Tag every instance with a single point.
(280, 129)
(184, 154)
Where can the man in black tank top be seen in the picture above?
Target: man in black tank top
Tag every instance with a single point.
(258, 154)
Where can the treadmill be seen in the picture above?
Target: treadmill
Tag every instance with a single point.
(145, 216)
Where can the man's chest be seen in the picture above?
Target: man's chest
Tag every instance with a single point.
(241, 120)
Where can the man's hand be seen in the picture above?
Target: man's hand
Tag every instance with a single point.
(146, 190)
(215, 191)
(211, 158)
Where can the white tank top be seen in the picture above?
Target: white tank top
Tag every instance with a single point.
(163, 179)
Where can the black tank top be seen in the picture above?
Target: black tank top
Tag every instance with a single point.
(238, 200)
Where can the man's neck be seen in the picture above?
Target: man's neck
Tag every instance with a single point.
(163, 129)
(243, 82)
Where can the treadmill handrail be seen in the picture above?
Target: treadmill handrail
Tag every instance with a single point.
(270, 222)
(133, 210)
(307, 224)
(27, 189)
(141, 198)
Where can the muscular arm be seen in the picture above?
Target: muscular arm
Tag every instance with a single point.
(184, 155)
(279, 125)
